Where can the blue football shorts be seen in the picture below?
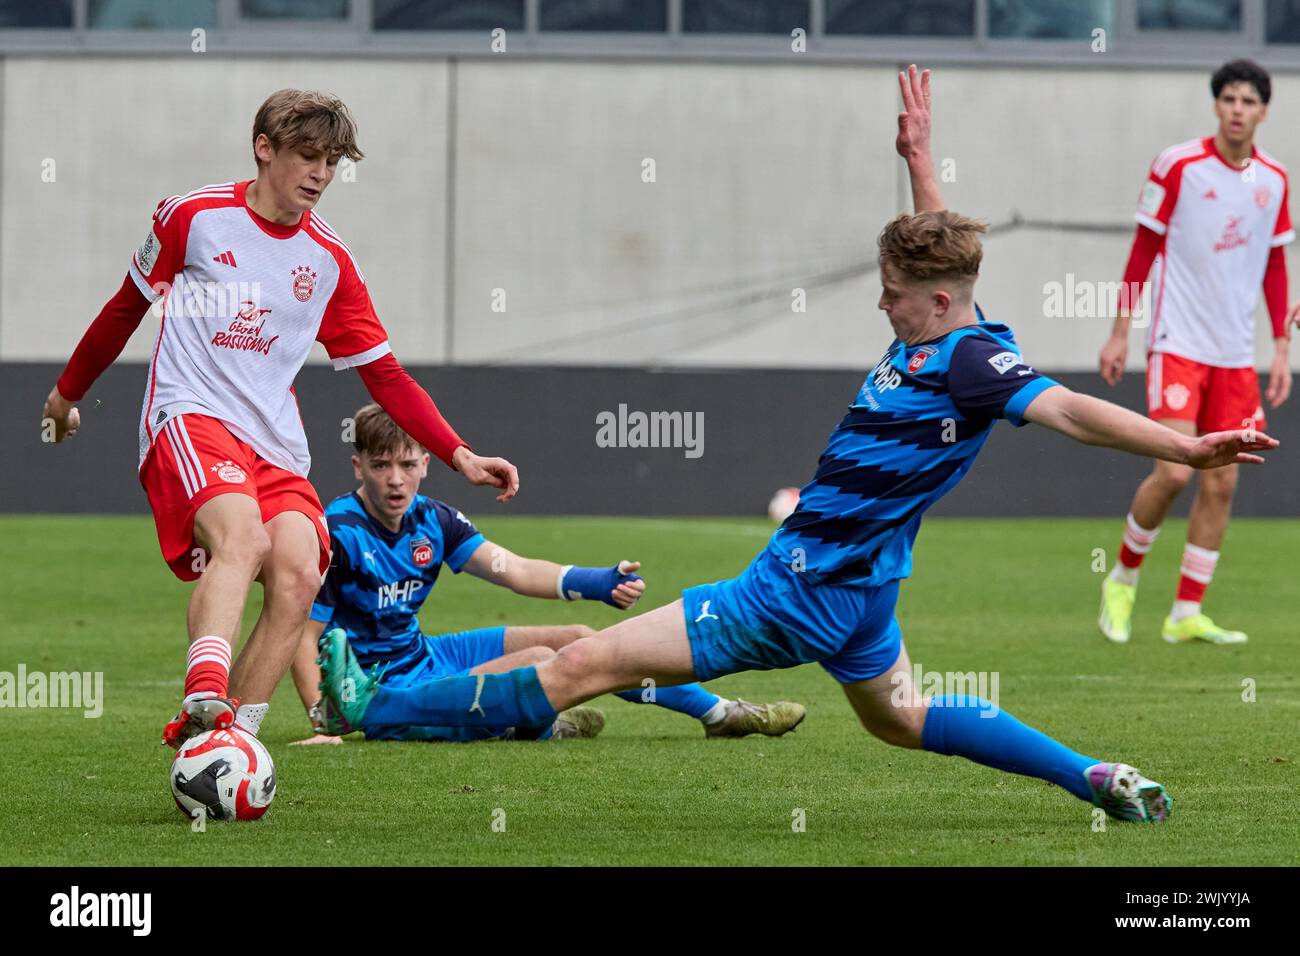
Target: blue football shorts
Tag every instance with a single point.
(768, 617)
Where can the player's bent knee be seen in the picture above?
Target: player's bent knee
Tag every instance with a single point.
(899, 726)
(247, 547)
(582, 661)
(295, 585)
(1173, 477)
(1220, 483)
(532, 656)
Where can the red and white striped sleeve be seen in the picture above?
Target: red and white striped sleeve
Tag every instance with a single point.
(350, 330)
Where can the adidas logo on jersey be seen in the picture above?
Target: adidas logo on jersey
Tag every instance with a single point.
(227, 258)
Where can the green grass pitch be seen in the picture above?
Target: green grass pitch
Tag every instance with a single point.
(1016, 597)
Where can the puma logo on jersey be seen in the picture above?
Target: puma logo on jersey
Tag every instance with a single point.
(704, 613)
(227, 258)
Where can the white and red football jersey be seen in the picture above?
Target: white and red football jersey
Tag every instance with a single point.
(243, 301)
(1219, 223)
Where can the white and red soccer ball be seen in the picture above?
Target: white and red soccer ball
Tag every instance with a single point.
(226, 773)
(783, 504)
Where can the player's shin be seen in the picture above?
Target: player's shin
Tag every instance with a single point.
(964, 726)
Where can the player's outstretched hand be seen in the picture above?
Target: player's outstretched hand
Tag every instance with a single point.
(63, 413)
(1114, 356)
(629, 589)
(496, 472)
(1232, 447)
(316, 739)
(914, 122)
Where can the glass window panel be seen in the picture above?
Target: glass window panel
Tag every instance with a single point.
(744, 16)
(943, 18)
(1283, 21)
(448, 14)
(23, 13)
(613, 16)
(151, 15)
(294, 9)
(1050, 19)
(1210, 15)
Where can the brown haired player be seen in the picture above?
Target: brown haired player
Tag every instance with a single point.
(245, 276)
(825, 587)
(1213, 219)
(389, 542)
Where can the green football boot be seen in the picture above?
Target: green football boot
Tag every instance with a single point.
(1198, 627)
(346, 689)
(1116, 616)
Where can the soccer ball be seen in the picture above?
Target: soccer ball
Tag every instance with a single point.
(228, 773)
(783, 504)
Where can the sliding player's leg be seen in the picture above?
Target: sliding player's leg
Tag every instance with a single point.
(721, 717)
(290, 577)
(891, 707)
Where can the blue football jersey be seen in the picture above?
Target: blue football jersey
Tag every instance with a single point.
(912, 432)
(378, 579)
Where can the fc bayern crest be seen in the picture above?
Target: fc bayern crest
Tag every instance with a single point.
(1262, 196)
(304, 283)
(421, 552)
(919, 358)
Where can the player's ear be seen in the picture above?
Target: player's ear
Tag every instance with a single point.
(263, 149)
(941, 299)
(424, 465)
(356, 466)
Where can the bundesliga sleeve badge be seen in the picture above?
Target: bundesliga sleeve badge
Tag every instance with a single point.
(147, 254)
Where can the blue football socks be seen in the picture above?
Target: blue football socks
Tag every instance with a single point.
(973, 728)
(691, 699)
(512, 699)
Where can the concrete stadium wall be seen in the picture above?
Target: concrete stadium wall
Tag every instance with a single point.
(762, 430)
(526, 176)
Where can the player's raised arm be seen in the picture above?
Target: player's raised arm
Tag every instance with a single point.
(1096, 422)
(913, 142)
(618, 586)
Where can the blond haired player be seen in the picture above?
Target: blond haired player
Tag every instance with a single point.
(825, 587)
(245, 277)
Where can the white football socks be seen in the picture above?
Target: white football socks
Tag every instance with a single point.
(248, 717)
